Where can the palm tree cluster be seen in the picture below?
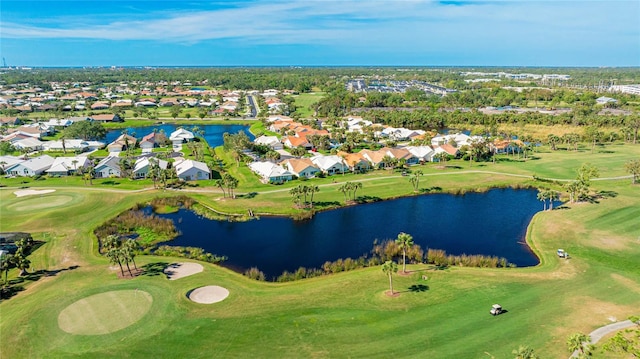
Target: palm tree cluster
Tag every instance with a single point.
(120, 251)
(415, 180)
(579, 189)
(547, 194)
(230, 183)
(302, 191)
(18, 260)
(349, 190)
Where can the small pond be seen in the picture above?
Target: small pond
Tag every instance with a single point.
(490, 223)
(212, 133)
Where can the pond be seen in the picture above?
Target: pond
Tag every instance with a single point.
(212, 133)
(489, 223)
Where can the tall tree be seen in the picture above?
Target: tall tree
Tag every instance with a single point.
(390, 267)
(542, 197)
(633, 168)
(415, 180)
(404, 241)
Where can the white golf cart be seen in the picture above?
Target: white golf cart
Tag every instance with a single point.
(496, 309)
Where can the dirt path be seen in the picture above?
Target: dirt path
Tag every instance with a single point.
(597, 334)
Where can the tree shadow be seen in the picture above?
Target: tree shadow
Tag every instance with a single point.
(247, 195)
(607, 194)
(110, 182)
(325, 203)
(154, 269)
(431, 189)
(368, 199)
(417, 288)
(7, 292)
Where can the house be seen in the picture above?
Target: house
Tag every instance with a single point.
(74, 145)
(330, 164)
(506, 146)
(422, 153)
(180, 136)
(100, 106)
(446, 148)
(402, 154)
(603, 100)
(54, 122)
(293, 142)
(31, 167)
(143, 165)
(8, 161)
(189, 170)
(301, 167)
(108, 167)
(30, 143)
(154, 139)
(271, 172)
(65, 166)
(270, 141)
(13, 121)
(355, 161)
(400, 134)
(122, 143)
(106, 118)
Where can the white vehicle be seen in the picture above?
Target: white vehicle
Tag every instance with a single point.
(496, 309)
(562, 254)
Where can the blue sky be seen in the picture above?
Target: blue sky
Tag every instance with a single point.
(320, 33)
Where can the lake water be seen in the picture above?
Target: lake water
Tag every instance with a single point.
(212, 133)
(490, 223)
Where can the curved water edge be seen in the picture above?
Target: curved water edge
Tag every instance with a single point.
(492, 223)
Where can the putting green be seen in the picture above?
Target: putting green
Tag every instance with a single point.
(105, 312)
(35, 203)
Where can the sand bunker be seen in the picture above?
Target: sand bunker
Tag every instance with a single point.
(31, 192)
(180, 270)
(209, 294)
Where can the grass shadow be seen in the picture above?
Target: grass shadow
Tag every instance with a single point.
(154, 269)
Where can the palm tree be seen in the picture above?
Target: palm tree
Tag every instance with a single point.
(390, 267)
(415, 180)
(552, 196)
(355, 186)
(344, 189)
(5, 264)
(220, 183)
(404, 241)
(579, 342)
(524, 352)
(75, 166)
(312, 190)
(295, 194)
(111, 245)
(542, 197)
(131, 247)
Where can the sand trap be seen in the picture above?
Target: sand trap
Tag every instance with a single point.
(31, 192)
(180, 270)
(209, 294)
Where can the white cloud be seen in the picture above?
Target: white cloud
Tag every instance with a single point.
(351, 21)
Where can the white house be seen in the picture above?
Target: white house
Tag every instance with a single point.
(189, 170)
(330, 164)
(423, 153)
(65, 166)
(8, 161)
(143, 164)
(30, 167)
(30, 143)
(72, 145)
(271, 141)
(271, 172)
(108, 167)
(400, 134)
(180, 136)
(54, 122)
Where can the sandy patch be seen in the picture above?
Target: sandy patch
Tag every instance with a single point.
(180, 270)
(208, 295)
(31, 192)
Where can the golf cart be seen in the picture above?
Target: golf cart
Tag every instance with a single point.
(562, 254)
(496, 309)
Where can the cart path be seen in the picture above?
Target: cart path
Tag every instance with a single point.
(597, 334)
(337, 183)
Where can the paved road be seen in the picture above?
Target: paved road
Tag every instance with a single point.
(597, 334)
(252, 105)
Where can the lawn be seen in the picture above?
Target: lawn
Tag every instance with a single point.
(304, 101)
(347, 314)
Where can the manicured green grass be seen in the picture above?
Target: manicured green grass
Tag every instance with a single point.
(348, 314)
(305, 100)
